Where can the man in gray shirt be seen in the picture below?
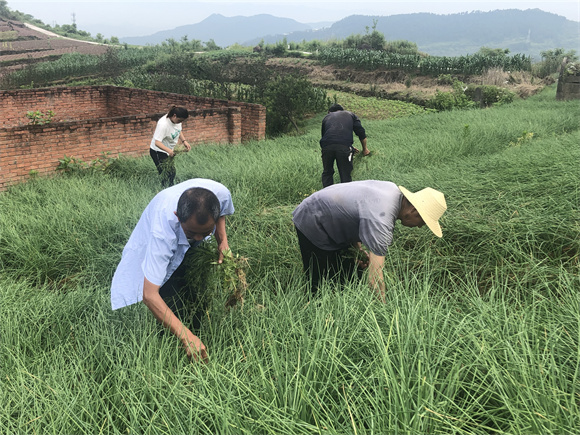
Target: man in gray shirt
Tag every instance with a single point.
(341, 216)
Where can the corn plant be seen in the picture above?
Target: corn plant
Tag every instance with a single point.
(426, 65)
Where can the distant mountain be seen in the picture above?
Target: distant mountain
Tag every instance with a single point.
(225, 31)
(320, 25)
(528, 32)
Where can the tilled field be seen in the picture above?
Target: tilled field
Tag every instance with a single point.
(20, 46)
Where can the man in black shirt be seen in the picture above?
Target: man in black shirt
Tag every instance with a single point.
(336, 143)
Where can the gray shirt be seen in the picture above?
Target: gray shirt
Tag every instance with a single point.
(342, 214)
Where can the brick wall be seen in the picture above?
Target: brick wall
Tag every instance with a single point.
(69, 104)
(568, 87)
(92, 120)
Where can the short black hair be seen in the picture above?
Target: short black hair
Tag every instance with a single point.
(199, 202)
(335, 108)
(181, 112)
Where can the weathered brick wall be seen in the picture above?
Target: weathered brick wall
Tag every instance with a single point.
(69, 104)
(126, 124)
(138, 100)
(568, 85)
(568, 88)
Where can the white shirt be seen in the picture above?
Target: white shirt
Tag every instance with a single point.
(166, 132)
(158, 244)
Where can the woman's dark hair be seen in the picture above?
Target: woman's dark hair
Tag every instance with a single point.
(181, 112)
(199, 202)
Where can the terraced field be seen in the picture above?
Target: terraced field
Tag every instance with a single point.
(22, 44)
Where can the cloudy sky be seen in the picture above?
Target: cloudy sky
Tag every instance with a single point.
(144, 17)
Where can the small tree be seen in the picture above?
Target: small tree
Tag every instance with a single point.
(288, 99)
(374, 40)
(402, 47)
(498, 53)
(212, 46)
(279, 49)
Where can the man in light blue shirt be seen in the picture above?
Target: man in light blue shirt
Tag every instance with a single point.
(177, 218)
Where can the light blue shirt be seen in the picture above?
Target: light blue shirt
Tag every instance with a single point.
(158, 244)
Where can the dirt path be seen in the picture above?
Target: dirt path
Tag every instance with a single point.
(55, 35)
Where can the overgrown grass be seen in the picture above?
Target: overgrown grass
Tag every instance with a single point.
(480, 332)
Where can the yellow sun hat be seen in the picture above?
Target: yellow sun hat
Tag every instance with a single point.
(430, 204)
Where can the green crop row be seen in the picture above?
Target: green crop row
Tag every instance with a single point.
(74, 65)
(426, 65)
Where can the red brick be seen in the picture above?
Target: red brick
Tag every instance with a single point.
(90, 120)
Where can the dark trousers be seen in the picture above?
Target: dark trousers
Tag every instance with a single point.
(343, 156)
(319, 264)
(182, 298)
(165, 166)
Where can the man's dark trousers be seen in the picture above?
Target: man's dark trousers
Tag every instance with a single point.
(320, 264)
(181, 298)
(343, 156)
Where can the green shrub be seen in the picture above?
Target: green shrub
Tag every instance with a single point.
(445, 79)
(456, 99)
(489, 95)
(573, 69)
(40, 118)
(288, 98)
(552, 60)
(72, 165)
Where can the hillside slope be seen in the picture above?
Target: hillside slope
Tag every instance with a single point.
(224, 30)
(528, 32)
(24, 44)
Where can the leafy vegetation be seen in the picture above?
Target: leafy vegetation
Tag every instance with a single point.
(552, 60)
(426, 65)
(241, 76)
(75, 65)
(288, 99)
(38, 117)
(488, 95)
(458, 34)
(368, 108)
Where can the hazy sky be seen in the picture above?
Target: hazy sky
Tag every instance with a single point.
(144, 17)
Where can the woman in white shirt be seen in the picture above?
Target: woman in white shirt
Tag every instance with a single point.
(167, 135)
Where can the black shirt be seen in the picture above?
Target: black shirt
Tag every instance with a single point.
(338, 127)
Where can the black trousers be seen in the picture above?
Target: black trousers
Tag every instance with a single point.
(319, 264)
(182, 298)
(343, 155)
(165, 166)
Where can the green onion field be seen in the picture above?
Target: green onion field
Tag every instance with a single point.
(479, 335)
